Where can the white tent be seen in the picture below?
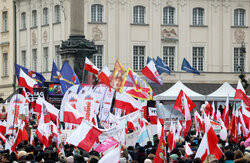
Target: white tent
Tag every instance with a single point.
(173, 92)
(222, 92)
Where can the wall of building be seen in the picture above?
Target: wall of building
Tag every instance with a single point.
(218, 35)
(6, 48)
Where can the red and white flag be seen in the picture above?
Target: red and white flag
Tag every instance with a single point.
(188, 120)
(26, 81)
(179, 103)
(104, 75)
(234, 124)
(223, 131)
(84, 136)
(245, 115)
(71, 115)
(213, 112)
(126, 102)
(209, 142)
(225, 115)
(89, 66)
(179, 131)
(241, 94)
(160, 155)
(218, 114)
(171, 138)
(43, 132)
(53, 111)
(151, 72)
(21, 135)
(188, 150)
(245, 130)
(199, 124)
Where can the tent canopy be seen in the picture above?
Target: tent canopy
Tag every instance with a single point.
(173, 92)
(222, 92)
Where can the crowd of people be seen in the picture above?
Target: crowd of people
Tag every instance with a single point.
(232, 152)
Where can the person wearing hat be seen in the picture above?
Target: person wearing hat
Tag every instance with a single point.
(173, 158)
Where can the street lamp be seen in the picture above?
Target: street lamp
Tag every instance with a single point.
(242, 60)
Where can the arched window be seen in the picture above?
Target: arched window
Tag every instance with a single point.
(57, 14)
(168, 15)
(34, 18)
(239, 17)
(23, 20)
(139, 14)
(96, 13)
(45, 16)
(198, 16)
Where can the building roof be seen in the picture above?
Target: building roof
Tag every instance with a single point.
(222, 92)
(202, 88)
(173, 92)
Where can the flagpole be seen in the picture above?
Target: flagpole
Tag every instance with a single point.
(83, 72)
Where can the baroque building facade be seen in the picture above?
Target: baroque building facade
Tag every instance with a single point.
(208, 33)
(6, 48)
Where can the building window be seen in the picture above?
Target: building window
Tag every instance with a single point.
(24, 58)
(138, 57)
(45, 16)
(96, 13)
(169, 56)
(46, 59)
(239, 17)
(198, 16)
(97, 58)
(57, 14)
(5, 21)
(34, 59)
(198, 58)
(5, 64)
(34, 18)
(23, 20)
(239, 60)
(139, 14)
(168, 15)
(58, 56)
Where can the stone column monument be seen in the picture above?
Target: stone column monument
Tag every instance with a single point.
(76, 48)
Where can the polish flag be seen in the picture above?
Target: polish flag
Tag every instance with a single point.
(21, 135)
(179, 131)
(126, 102)
(234, 124)
(218, 114)
(53, 111)
(241, 94)
(223, 131)
(209, 143)
(89, 66)
(225, 115)
(245, 115)
(188, 150)
(43, 133)
(84, 136)
(71, 115)
(3, 126)
(188, 120)
(171, 136)
(26, 81)
(104, 75)
(199, 124)
(208, 108)
(245, 130)
(213, 112)
(178, 105)
(151, 72)
(2, 137)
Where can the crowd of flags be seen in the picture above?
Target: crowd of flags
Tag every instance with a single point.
(100, 116)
